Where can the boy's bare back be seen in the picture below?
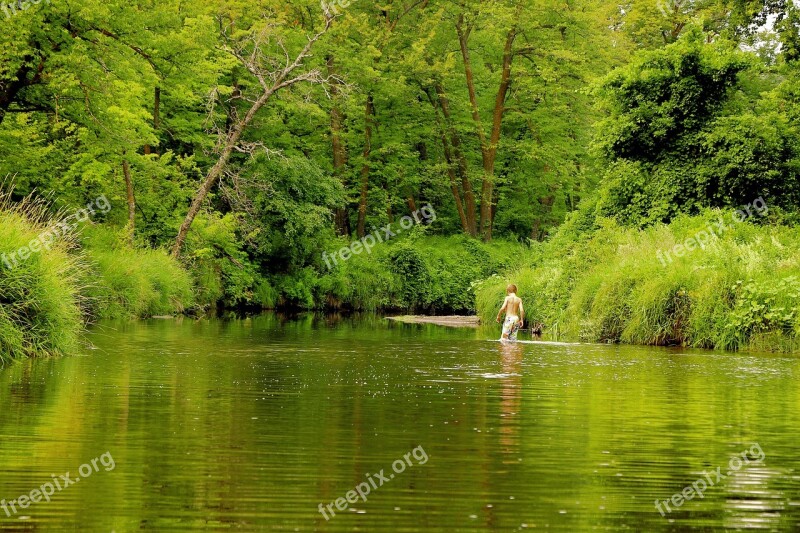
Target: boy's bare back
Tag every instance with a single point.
(515, 314)
(512, 305)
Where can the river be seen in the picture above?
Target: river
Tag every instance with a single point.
(327, 423)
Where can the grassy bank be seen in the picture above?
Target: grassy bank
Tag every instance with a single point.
(740, 290)
(128, 282)
(41, 294)
(53, 280)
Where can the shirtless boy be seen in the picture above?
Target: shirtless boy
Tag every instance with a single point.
(515, 314)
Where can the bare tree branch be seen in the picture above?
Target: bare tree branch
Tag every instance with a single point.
(263, 68)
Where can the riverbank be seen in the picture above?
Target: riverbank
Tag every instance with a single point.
(41, 291)
(93, 272)
(676, 284)
(595, 281)
(54, 280)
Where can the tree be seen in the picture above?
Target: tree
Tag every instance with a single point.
(272, 76)
(677, 140)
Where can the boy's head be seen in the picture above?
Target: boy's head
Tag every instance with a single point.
(511, 289)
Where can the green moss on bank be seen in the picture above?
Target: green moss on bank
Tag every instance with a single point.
(740, 291)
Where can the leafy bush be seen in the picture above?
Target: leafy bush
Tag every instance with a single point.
(688, 127)
(223, 270)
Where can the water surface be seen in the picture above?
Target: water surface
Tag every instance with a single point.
(251, 424)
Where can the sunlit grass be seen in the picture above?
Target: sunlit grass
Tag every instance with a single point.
(740, 292)
(133, 282)
(41, 297)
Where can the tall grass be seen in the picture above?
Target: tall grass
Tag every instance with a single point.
(741, 292)
(47, 298)
(41, 298)
(133, 282)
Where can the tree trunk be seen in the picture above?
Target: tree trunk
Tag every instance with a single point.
(369, 114)
(126, 172)
(486, 192)
(547, 208)
(488, 147)
(341, 216)
(470, 208)
(211, 179)
(422, 150)
(451, 173)
(448, 157)
(412, 205)
(232, 139)
(497, 123)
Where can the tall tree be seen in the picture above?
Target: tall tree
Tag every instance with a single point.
(488, 144)
(252, 52)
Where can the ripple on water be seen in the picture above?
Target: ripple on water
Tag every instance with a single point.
(251, 424)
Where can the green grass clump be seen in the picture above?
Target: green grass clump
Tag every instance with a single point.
(40, 297)
(741, 291)
(131, 282)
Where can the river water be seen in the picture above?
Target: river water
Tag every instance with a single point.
(269, 423)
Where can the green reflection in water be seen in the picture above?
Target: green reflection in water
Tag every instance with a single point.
(250, 424)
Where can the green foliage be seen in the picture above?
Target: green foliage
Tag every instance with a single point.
(740, 291)
(690, 126)
(287, 201)
(222, 268)
(128, 282)
(416, 273)
(665, 95)
(764, 306)
(40, 297)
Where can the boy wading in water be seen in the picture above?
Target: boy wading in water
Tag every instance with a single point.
(515, 314)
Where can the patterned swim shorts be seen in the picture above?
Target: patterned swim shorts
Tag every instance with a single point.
(511, 327)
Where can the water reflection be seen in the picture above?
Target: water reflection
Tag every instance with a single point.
(511, 393)
(751, 503)
(250, 423)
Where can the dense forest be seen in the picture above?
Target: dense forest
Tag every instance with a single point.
(633, 166)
